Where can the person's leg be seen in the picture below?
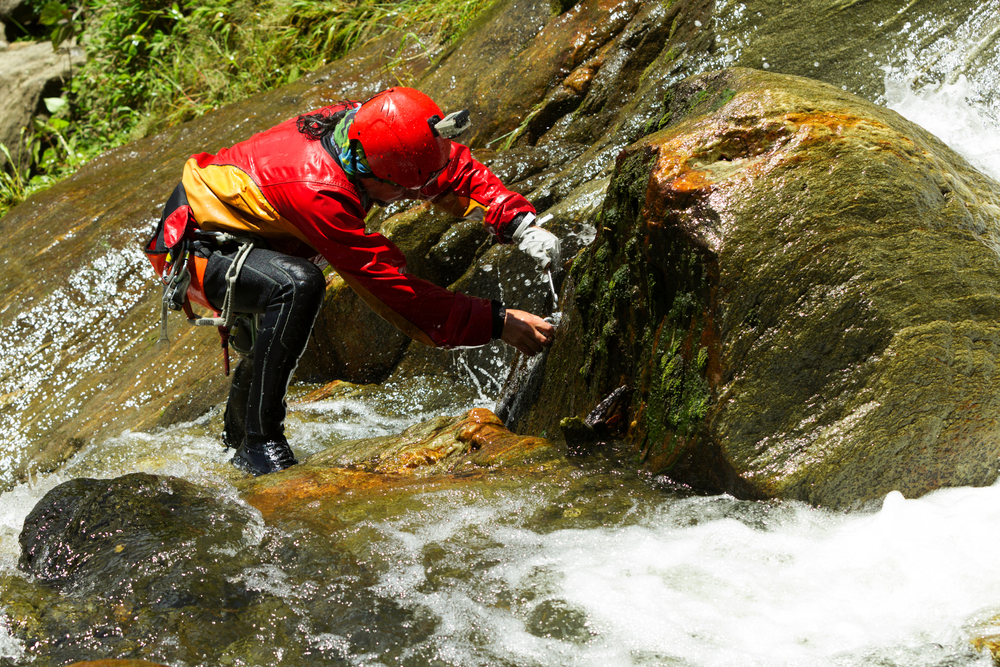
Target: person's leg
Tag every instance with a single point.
(235, 419)
(287, 291)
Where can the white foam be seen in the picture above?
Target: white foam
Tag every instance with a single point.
(815, 588)
(949, 112)
(947, 82)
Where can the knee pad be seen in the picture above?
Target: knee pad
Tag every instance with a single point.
(306, 280)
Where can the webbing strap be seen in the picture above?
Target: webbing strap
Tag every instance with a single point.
(227, 317)
(178, 280)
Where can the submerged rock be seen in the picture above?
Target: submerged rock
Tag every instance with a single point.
(802, 289)
(157, 568)
(127, 536)
(116, 563)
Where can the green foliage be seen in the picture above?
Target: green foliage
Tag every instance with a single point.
(13, 182)
(63, 21)
(155, 63)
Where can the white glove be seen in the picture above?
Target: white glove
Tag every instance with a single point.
(539, 244)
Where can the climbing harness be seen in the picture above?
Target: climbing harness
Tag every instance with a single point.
(176, 289)
(226, 317)
(182, 271)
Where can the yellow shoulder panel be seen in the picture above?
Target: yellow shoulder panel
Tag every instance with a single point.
(225, 198)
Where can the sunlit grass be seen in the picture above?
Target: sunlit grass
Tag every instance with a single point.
(154, 63)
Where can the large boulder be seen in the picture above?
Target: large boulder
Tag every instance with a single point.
(801, 291)
(29, 72)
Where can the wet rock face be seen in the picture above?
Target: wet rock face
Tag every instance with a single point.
(801, 289)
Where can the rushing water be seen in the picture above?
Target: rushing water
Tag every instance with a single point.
(950, 86)
(629, 574)
(638, 574)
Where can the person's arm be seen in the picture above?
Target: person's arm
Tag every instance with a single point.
(467, 188)
(333, 223)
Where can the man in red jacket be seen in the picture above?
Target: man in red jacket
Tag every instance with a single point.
(300, 192)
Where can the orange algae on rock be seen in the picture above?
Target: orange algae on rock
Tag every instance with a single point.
(437, 454)
(493, 443)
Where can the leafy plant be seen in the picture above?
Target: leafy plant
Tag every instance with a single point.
(13, 183)
(63, 21)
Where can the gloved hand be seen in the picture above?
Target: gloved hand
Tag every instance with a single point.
(541, 245)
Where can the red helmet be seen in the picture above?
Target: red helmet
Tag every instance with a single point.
(396, 130)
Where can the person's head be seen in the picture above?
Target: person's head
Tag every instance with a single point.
(403, 148)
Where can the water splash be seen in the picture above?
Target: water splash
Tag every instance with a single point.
(707, 582)
(608, 570)
(947, 81)
(950, 112)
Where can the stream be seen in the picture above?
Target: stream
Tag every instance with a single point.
(634, 571)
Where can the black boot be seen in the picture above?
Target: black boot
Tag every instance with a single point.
(259, 457)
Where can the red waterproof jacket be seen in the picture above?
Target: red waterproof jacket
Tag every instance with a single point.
(287, 189)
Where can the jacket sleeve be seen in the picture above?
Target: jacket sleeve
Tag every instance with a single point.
(333, 223)
(467, 188)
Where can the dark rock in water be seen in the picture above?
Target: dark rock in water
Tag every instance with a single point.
(521, 389)
(165, 570)
(558, 619)
(802, 288)
(128, 536)
(126, 565)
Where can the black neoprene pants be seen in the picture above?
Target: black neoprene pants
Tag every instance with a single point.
(288, 292)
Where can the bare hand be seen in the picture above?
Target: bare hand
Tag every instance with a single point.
(526, 332)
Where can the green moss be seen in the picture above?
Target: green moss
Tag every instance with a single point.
(699, 97)
(675, 108)
(665, 117)
(641, 296)
(723, 98)
(678, 393)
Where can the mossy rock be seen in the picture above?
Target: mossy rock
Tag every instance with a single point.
(801, 287)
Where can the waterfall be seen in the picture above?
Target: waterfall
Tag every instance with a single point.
(948, 84)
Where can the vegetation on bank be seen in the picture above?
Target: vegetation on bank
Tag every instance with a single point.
(155, 63)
